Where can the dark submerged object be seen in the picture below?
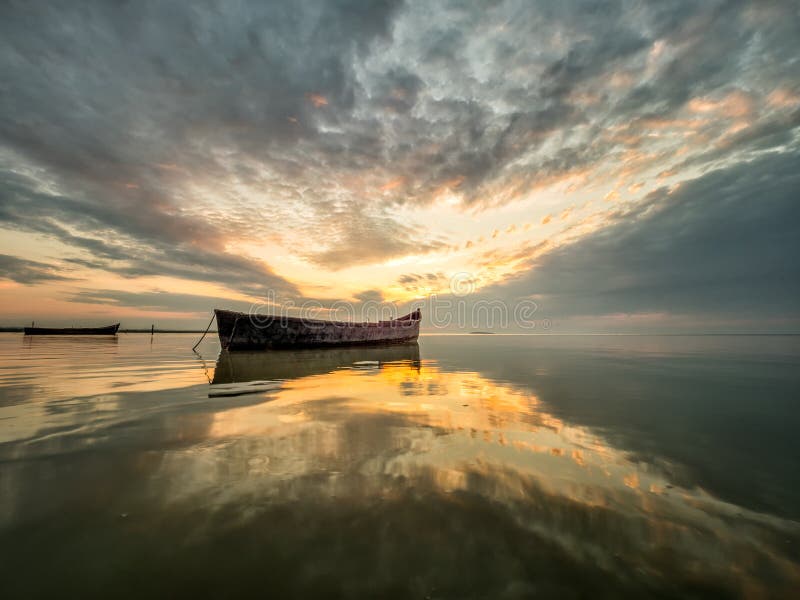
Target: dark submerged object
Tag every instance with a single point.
(242, 331)
(108, 330)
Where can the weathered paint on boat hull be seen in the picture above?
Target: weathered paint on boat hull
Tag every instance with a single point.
(242, 331)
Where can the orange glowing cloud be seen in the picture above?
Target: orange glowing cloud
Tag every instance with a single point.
(318, 100)
(390, 185)
(783, 98)
(447, 187)
(632, 481)
(453, 183)
(735, 105)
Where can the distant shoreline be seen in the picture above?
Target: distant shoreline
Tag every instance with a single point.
(167, 331)
(502, 333)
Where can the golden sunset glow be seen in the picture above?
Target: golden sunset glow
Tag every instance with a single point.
(326, 175)
(399, 299)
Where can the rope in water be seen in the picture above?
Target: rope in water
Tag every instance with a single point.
(204, 333)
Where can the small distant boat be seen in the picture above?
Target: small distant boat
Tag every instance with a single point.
(242, 331)
(108, 330)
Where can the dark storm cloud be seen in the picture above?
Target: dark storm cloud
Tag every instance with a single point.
(27, 271)
(710, 42)
(773, 133)
(141, 132)
(396, 91)
(512, 122)
(724, 243)
(96, 99)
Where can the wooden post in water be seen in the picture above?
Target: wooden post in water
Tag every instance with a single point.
(152, 329)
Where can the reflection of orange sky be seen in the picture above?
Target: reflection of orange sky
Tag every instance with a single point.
(456, 426)
(370, 429)
(507, 423)
(92, 372)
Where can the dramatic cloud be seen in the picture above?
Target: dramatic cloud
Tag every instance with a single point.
(160, 301)
(26, 271)
(725, 243)
(131, 243)
(320, 148)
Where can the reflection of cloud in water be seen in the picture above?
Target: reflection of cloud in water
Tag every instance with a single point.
(365, 437)
(361, 476)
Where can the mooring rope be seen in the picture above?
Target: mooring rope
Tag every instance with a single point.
(204, 333)
(230, 339)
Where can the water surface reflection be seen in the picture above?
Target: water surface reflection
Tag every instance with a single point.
(459, 468)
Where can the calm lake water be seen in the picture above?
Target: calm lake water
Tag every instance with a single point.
(463, 467)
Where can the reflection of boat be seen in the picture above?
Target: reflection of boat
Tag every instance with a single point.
(239, 367)
(242, 331)
(108, 330)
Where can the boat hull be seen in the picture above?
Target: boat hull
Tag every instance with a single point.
(109, 330)
(242, 331)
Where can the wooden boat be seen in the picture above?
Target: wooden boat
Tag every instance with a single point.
(108, 330)
(242, 331)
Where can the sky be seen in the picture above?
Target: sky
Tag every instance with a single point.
(605, 166)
